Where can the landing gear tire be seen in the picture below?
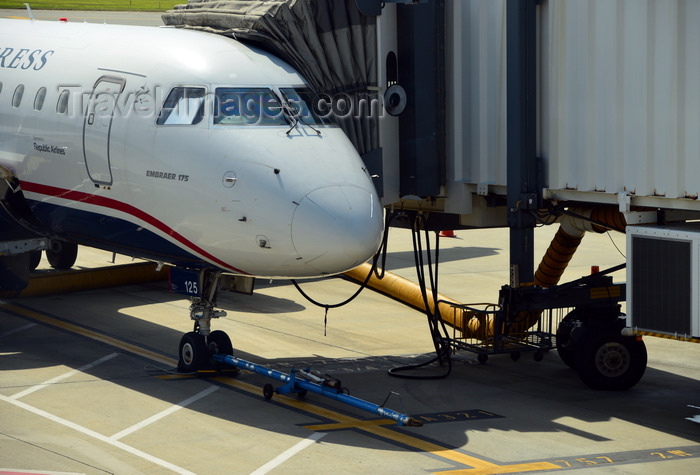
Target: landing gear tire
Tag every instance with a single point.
(61, 254)
(565, 338)
(219, 343)
(193, 352)
(611, 362)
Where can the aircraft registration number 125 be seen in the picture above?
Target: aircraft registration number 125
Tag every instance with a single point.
(184, 281)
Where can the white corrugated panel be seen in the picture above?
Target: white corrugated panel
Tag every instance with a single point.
(476, 93)
(620, 97)
(619, 100)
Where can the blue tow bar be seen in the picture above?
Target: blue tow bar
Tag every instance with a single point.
(298, 381)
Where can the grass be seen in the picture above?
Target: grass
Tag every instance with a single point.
(104, 5)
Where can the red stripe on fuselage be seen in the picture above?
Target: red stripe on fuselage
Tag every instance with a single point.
(110, 203)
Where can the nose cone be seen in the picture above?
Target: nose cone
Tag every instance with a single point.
(337, 228)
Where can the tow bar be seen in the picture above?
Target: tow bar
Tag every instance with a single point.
(303, 381)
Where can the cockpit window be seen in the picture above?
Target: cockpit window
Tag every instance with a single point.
(247, 106)
(183, 106)
(306, 106)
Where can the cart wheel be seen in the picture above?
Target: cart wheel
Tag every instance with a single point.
(515, 355)
(302, 394)
(268, 391)
(611, 362)
(538, 356)
(483, 358)
(192, 351)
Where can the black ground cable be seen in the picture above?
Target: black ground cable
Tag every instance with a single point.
(442, 349)
(381, 253)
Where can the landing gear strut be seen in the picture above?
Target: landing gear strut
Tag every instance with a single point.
(198, 346)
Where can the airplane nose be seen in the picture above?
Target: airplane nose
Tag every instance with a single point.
(337, 228)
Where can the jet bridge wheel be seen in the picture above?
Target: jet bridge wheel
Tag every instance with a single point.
(192, 352)
(567, 336)
(611, 361)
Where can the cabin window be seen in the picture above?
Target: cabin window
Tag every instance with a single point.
(0, 86)
(307, 106)
(17, 97)
(39, 99)
(247, 106)
(183, 106)
(62, 104)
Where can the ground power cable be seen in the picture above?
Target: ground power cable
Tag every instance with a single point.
(380, 254)
(435, 322)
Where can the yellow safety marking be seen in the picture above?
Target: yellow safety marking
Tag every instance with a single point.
(176, 376)
(518, 467)
(605, 292)
(87, 279)
(374, 427)
(668, 336)
(345, 425)
(90, 334)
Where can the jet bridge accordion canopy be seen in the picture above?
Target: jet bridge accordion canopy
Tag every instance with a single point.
(328, 42)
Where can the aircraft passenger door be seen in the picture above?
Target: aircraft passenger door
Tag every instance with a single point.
(97, 125)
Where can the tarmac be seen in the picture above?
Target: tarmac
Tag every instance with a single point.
(88, 381)
(89, 384)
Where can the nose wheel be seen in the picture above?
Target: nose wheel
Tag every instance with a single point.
(198, 346)
(195, 351)
(192, 352)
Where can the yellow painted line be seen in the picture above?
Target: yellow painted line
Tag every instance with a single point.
(40, 317)
(480, 466)
(515, 468)
(668, 336)
(374, 427)
(341, 425)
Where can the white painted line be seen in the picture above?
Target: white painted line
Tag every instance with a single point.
(17, 330)
(164, 413)
(63, 376)
(289, 453)
(19, 471)
(97, 436)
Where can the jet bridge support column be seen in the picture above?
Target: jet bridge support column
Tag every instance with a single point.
(523, 178)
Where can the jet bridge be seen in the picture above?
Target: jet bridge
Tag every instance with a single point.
(512, 113)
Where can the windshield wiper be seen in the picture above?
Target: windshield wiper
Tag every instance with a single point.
(294, 114)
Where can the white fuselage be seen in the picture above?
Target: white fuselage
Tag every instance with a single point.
(116, 136)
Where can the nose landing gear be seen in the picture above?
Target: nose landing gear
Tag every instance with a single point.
(198, 346)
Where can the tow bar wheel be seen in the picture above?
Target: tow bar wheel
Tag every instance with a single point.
(611, 362)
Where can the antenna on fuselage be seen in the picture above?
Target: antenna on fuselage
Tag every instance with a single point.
(29, 11)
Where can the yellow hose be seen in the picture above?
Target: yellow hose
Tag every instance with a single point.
(554, 263)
